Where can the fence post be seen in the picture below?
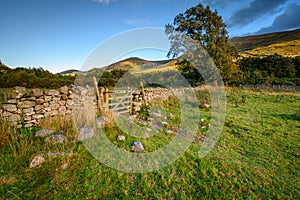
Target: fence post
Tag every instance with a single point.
(143, 93)
(97, 94)
(106, 96)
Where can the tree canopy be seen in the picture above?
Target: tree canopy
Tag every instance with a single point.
(208, 29)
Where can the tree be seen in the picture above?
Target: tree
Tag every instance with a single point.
(206, 27)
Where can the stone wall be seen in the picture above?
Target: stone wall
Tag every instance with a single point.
(25, 108)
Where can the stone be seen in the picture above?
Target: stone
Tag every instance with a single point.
(132, 117)
(51, 92)
(64, 90)
(37, 161)
(26, 104)
(64, 97)
(121, 138)
(27, 118)
(6, 114)
(29, 99)
(64, 166)
(18, 92)
(62, 103)
(56, 99)
(54, 106)
(37, 116)
(62, 109)
(28, 110)
(40, 158)
(47, 98)
(165, 123)
(10, 107)
(13, 101)
(40, 101)
(19, 111)
(46, 105)
(47, 114)
(138, 147)
(38, 107)
(68, 112)
(205, 105)
(70, 102)
(28, 125)
(48, 109)
(56, 139)
(85, 133)
(36, 92)
(53, 112)
(157, 126)
(31, 122)
(101, 121)
(41, 111)
(14, 118)
(171, 116)
(72, 96)
(44, 133)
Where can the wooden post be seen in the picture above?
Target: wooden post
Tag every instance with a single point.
(131, 102)
(143, 92)
(97, 94)
(106, 96)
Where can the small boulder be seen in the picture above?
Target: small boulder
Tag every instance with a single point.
(36, 92)
(85, 132)
(37, 161)
(205, 105)
(138, 147)
(101, 121)
(64, 90)
(64, 166)
(43, 133)
(56, 139)
(121, 138)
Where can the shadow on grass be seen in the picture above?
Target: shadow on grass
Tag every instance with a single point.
(287, 116)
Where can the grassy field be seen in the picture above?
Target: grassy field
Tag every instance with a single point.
(256, 157)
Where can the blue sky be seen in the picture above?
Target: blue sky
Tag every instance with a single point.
(60, 34)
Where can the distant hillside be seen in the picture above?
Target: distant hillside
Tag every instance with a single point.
(4, 68)
(287, 49)
(70, 71)
(250, 42)
(137, 64)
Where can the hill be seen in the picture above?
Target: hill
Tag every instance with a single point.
(251, 42)
(136, 63)
(68, 72)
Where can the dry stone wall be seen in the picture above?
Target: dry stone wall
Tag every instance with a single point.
(25, 108)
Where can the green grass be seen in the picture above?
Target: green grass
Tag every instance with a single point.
(256, 157)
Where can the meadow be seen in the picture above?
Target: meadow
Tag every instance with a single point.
(256, 157)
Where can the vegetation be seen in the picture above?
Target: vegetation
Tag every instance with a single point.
(208, 29)
(256, 157)
(110, 78)
(32, 78)
(273, 69)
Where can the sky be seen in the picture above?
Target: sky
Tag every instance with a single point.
(61, 34)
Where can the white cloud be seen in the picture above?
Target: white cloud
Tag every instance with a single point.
(103, 1)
